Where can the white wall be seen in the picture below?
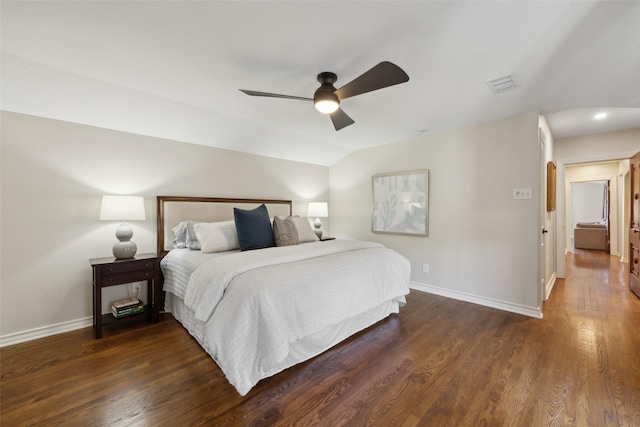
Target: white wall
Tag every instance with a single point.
(584, 149)
(53, 176)
(587, 201)
(482, 244)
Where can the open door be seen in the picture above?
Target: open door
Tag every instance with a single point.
(542, 256)
(634, 225)
(606, 214)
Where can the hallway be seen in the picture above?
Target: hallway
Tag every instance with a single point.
(596, 321)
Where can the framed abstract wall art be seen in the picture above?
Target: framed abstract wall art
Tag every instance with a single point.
(401, 203)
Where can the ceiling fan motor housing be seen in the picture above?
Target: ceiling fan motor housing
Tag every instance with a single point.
(327, 77)
(326, 90)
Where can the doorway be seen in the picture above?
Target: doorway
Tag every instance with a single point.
(602, 180)
(590, 201)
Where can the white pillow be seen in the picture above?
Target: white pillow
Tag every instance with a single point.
(305, 232)
(192, 239)
(185, 236)
(217, 236)
(180, 230)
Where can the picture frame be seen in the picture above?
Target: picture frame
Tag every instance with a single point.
(401, 203)
(551, 187)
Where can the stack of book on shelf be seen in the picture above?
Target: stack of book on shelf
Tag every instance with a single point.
(126, 307)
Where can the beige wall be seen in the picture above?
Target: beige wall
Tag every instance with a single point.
(598, 147)
(53, 176)
(482, 244)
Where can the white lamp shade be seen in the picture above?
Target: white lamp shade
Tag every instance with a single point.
(122, 208)
(318, 210)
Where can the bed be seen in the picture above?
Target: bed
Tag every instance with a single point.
(260, 310)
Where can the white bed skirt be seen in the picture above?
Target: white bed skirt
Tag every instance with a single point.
(300, 350)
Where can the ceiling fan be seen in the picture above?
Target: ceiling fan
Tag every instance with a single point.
(327, 98)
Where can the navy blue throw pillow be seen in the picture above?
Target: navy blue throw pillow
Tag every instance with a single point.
(254, 228)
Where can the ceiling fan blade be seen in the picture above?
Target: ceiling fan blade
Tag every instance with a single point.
(340, 119)
(273, 95)
(383, 75)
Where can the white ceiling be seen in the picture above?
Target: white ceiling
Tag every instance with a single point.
(173, 69)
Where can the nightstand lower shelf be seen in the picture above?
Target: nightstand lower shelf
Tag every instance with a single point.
(134, 320)
(109, 318)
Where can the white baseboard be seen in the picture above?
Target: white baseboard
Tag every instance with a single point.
(45, 331)
(72, 325)
(549, 287)
(487, 302)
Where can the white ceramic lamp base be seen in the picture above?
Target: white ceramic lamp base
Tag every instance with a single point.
(125, 248)
(318, 228)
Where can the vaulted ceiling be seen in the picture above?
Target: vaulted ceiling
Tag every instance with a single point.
(172, 69)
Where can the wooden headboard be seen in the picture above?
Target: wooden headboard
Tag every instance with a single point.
(171, 210)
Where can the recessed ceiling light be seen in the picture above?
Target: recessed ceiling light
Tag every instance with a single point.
(600, 116)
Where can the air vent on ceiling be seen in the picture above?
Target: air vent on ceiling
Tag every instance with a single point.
(501, 84)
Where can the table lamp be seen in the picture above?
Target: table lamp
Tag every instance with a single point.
(123, 208)
(319, 210)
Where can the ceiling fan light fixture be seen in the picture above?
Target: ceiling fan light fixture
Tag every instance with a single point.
(326, 102)
(327, 106)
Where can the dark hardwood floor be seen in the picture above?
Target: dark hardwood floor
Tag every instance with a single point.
(440, 362)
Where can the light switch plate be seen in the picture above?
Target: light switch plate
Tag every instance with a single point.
(522, 193)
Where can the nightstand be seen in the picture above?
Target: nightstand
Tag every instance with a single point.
(111, 272)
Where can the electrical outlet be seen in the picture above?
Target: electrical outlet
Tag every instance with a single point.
(425, 268)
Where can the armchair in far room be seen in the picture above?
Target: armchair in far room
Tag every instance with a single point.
(590, 235)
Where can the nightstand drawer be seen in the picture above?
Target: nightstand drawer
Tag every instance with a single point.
(145, 265)
(127, 277)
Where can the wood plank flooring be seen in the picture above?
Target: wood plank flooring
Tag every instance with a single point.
(440, 362)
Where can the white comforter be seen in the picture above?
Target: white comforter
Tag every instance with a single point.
(262, 301)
